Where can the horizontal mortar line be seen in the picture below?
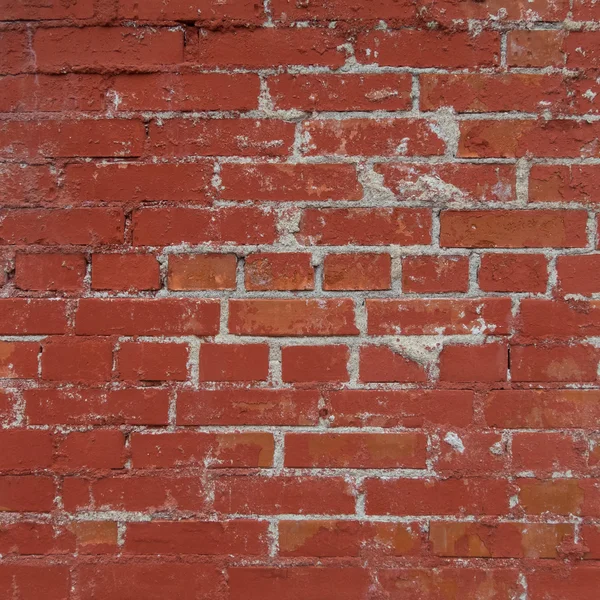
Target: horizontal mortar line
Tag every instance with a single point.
(139, 516)
(302, 116)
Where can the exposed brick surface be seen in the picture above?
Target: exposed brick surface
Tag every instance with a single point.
(299, 299)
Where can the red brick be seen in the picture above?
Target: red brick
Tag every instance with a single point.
(30, 316)
(140, 316)
(16, 56)
(513, 273)
(554, 363)
(435, 274)
(286, 271)
(95, 537)
(590, 538)
(99, 449)
(547, 452)
(25, 450)
(77, 359)
(45, 272)
(208, 450)
(146, 361)
(503, 540)
(234, 362)
(308, 583)
(449, 181)
(35, 140)
(7, 408)
(452, 583)
(579, 274)
(542, 409)
(27, 493)
(52, 93)
(293, 317)
(471, 453)
(19, 360)
(269, 47)
(347, 538)
(134, 493)
(514, 229)
(246, 11)
(328, 92)
(289, 182)
(547, 319)
(426, 48)
(171, 226)
(399, 12)
(449, 11)
(380, 364)
(243, 537)
(104, 49)
(482, 93)
(314, 363)
(464, 363)
(76, 226)
(357, 272)
(564, 183)
(584, 10)
(125, 272)
(283, 495)
(381, 137)
(128, 183)
(544, 139)
(202, 272)
(537, 48)
(365, 226)
(152, 580)
(356, 450)
(559, 496)
(26, 185)
(581, 50)
(30, 581)
(96, 406)
(220, 137)
(436, 497)
(19, 10)
(579, 582)
(187, 91)
(399, 408)
(29, 538)
(438, 316)
(248, 407)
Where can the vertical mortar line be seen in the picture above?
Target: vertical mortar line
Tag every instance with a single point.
(552, 275)
(523, 169)
(592, 230)
(503, 49)
(474, 267)
(273, 537)
(415, 93)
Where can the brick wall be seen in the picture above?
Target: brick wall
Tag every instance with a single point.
(299, 300)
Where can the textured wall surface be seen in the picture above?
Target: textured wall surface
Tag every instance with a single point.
(299, 300)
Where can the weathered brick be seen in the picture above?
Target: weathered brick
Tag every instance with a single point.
(292, 317)
(289, 182)
(327, 92)
(103, 49)
(202, 272)
(365, 226)
(384, 137)
(518, 229)
(286, 271)
(422, 49)
(445, 315)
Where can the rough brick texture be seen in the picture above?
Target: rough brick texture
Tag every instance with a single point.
(299, 299)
